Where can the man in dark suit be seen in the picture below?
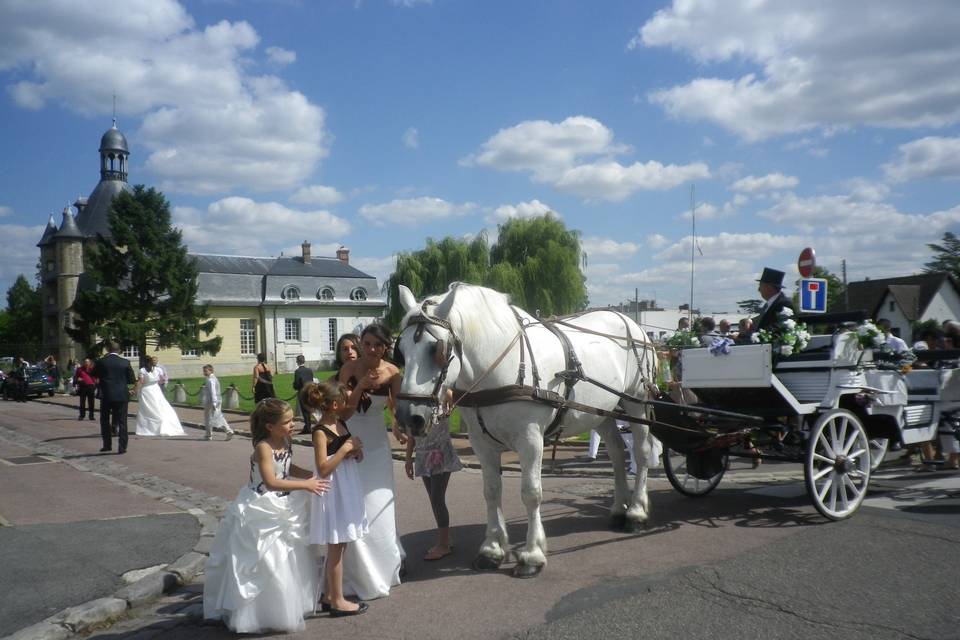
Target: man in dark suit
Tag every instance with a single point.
(771, 289)
(115, 376)
(301, 378)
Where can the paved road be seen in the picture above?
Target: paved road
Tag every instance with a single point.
(751, 561)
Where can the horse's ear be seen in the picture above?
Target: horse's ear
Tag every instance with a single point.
(407, 301)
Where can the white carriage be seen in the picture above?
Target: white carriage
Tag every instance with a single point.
(829, 406)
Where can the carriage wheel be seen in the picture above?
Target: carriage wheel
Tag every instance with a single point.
(675, 465)
(878, 449)
(837, 464)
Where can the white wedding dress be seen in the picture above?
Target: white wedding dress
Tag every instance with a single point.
(371, 565)
(155, 416)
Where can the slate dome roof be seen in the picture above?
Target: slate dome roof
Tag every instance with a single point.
(113, 140)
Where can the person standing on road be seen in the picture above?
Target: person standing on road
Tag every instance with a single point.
(261, 574)
(262, 380)
(86, 384)
(114, 377)
(435, 459)
(301, 378)
(210, 398)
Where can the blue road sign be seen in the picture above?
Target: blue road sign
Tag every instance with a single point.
(813, 295)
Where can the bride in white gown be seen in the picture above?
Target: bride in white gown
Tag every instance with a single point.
(371, 565)
(155, 416)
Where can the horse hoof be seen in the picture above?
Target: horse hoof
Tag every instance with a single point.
(527, 571)
(618, 522)
(635, 526)
(485, 563)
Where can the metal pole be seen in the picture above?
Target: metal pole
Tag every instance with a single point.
(636, 305)
(846, 295)
(693, 247)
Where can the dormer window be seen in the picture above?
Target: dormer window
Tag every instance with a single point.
(290, 292)
(325, 293)
(358, 295)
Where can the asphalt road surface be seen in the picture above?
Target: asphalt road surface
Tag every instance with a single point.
(749, 561)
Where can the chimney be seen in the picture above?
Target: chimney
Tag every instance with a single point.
(306, 252)
(343, 255)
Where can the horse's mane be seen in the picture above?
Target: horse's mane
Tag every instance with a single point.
(481, 316)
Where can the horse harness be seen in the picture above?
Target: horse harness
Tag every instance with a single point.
(572, 374)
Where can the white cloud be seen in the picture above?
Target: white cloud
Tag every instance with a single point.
(863, 189)
(281, 56)
(614, 181)
(752, 184)
(241, 226)
(530, 209)
(5, 211)
(755, 245)
(707, 211)
(380, 268)
(413, 211)
(411, 138)
(657, 241)
(317, 194)
(929, 157)
(890, 66)
(594, 246)
(409, 4)
(209, 124)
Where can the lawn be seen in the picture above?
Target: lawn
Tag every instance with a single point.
(282, 384)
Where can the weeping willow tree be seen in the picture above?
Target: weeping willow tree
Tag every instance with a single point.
(536, 261)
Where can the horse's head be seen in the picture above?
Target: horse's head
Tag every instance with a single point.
(431, 355)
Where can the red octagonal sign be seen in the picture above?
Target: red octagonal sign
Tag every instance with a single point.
(806, 263)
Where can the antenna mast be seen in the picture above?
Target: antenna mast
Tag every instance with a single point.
(693, 248)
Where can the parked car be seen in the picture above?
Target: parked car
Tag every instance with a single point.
(38, 383)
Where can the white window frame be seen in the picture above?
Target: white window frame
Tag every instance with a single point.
(190, 353)
(251, 334)
(292, 329)
(332, 330)
(131, 352)
(358, 295)
(290, 292)
(326, 294)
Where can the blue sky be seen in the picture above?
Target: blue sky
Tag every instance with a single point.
(378, 123)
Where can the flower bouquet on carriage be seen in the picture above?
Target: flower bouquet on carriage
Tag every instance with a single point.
(786, 337)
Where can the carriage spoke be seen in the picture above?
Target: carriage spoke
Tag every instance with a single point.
(823, 459)
(822, 493)
(842, 436)
(826, 445)
(833, 492)
(843, 494)
(856, 454)
(850, 442)
(833, 435)
(822, 472)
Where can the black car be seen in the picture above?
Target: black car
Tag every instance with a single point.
(38, 383)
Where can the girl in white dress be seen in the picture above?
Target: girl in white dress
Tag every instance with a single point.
(371, 565)
(155, 416)
(337, 517)
(260, 575)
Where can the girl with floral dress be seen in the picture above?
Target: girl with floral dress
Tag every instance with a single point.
(260, 575)
(433, 458)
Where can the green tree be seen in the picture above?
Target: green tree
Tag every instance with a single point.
(22, 330)
(536, 261)
(430, 270)
(146, 285)
(545, 259)
(946, 256)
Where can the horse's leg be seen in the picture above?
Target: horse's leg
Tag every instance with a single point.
(639, 509)
(495, 542)
(621, 495)
(533, 557)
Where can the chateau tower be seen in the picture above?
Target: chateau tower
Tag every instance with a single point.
(63, 249)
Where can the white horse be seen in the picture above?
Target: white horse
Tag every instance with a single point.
(470, 340)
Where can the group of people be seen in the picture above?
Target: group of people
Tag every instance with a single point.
(110, 378)
(264, 569)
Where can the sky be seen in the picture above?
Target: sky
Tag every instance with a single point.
(376, 124)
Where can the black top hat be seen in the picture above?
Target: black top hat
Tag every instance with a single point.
(772, 277)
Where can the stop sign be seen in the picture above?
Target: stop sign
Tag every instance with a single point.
(806, 263)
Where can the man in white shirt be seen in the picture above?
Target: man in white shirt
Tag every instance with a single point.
(897, 345)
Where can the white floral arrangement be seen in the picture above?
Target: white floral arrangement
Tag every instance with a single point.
(681, 340)
(869, 336)
(787, 337)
